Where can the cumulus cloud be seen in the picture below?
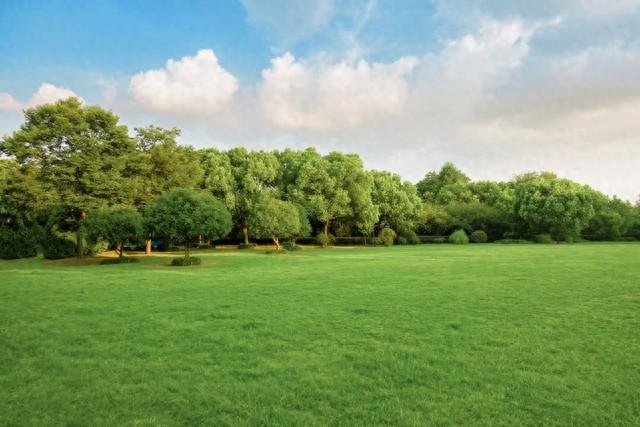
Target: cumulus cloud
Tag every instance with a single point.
(45, 94)
(295, 94)
(195, 85)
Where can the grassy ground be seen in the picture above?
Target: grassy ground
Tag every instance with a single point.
(431, 334)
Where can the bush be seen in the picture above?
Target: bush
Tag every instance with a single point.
(402, 240)
(98, 247)
(57, 247)
(412, 238)
(387, 236)
(247, 246)
(325, 240)
(542, 238)
(478, 236)
(375, 241)
(459, 237)
(185, 262)
(17, 243)
(119, 260)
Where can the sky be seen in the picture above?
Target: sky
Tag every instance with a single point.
(498, 88)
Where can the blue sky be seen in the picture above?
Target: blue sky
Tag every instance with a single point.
(497, 87)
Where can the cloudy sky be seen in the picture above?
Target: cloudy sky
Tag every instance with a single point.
(497, 87)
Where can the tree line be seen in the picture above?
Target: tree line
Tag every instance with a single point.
(73, 180)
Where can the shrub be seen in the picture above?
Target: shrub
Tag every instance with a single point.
(542, 238)
(247, 246)
(119, 260)
(185, 262)
(17, 243)
(376, 241)
(402, 240)
(412, 238)
(325, 240)
(387, 236)
(57, 247)
(478, 236)
(459, 237)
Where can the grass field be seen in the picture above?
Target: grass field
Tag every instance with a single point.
(431, 334)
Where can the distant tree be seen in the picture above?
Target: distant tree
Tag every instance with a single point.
(305, 227)
(80, 155)
(556, 206)
(160, 164)
(115, 225)
(434, 220)
(448, 185)
(397, 202)
(274, 219)
(182, 215)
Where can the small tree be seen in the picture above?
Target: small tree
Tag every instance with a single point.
(181, 215)
(387, 236)
(305, 227)
(274, 219)
(116, 225)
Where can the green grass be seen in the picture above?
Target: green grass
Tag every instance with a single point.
(430, 334)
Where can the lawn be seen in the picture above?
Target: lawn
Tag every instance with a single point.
(432, 334)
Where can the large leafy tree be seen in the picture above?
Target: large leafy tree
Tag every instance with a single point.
(448, 185)
(240, 177)
(274, 219)
(182, 215)
(337, 187)
(549, 205)
(397, 201)
(115, 225)
(161, 164)
(80, 155)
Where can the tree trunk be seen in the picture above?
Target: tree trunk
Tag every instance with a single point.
(187, 248)
(121, 250)
(78, 242)
(277, 242)
(245, 232)
(326, 228)
(147, 247)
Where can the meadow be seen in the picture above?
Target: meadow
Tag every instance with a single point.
(415, 335)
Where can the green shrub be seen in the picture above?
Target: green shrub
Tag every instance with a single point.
(478, 236)
(512, 241)
(247, 246)
(18, 243)
(98, 247)
(325, 240)
(57, 247)
(402, 240)
(459, 237)
(119, 260)
(185, 262)
(412, 238)
(542, 238)
(387, 236)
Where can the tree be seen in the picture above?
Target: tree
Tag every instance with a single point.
(556, 206)
(397, 202)
(116, 225)
(305, 227)
(160, 164)
(80, 155)
(182, 215)
(337, 187)
(448, 185)
(274, 219)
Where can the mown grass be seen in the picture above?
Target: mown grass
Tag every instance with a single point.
(432, 334)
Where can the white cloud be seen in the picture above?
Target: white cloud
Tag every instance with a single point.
(45, 94)
(8, 103)
(195, 85)
(294, 94)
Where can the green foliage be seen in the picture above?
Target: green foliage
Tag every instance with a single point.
(17, 240)
(182, 215)
(120, 260)
(478, 236)
(387, 236)
(57, 245)
(274, 219)
(185, 261)
(410, 237)
(445, 186)
(115, 225)
(459, 237)
(396, 201)
(325, 240)
(544, 238)
(401, 240)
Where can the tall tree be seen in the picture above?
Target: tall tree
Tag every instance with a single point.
(79, 152)
(448, 185)
(161, 164)
(397, 201)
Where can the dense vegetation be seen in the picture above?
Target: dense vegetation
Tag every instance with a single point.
(416, 335)
(69, 163)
